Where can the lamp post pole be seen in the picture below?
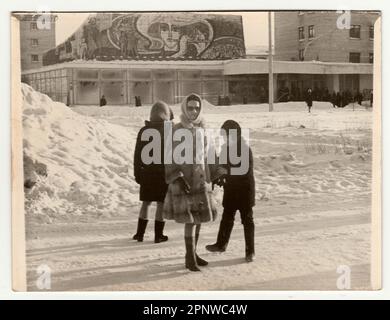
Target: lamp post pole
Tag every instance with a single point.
(270, 69)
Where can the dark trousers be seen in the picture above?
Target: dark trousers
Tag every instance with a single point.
(226, 227)
(246, 215)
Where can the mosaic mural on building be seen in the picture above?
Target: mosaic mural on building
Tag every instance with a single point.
(166, 36)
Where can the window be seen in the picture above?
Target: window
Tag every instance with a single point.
(33, 26)
(34, 58)
(371, 32)
(34, 42)
(301, 34)
(301, 54)
(354, 32)
(371, 57)
(311, 32)
(354, 57)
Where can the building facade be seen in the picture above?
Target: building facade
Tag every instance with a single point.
(37, 36)
(153, 36)
(166, 56)
(321, 36)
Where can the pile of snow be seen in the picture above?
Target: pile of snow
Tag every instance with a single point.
(87, 152)
(88, 161)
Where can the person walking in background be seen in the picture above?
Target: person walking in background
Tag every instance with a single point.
(189, 199)
(338, 100)
(358, 97)
(371, 98)
(309, 99)
(103, 101)
(151, 177)
(239, 194)
(333, 99)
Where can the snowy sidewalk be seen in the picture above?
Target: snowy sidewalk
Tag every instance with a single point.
(293, 251)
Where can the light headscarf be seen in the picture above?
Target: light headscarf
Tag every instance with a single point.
(184, 117)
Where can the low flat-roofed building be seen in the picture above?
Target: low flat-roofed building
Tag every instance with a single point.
(84, 82)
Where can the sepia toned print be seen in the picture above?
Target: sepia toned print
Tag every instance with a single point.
(124, 89)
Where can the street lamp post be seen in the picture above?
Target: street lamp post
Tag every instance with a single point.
(270, 67)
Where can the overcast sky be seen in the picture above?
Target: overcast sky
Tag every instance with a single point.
(255, 26)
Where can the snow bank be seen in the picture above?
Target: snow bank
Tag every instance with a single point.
(89, 161)
(88, 152)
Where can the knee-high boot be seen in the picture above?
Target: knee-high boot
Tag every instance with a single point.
(159, 231)
(190, 258)
(201, 262)
(141, 227)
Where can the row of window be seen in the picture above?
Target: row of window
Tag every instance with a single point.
(354, 57)
(354, 32)
(310, 32)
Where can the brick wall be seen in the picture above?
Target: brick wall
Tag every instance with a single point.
(330, 44)
(46, 40)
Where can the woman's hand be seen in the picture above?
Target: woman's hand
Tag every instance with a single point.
(184, 185)
(219, 181)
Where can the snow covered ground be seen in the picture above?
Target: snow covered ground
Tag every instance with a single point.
(313, 176)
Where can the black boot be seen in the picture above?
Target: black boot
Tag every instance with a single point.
(249, 233)
(158, 232)
(190, 254)
(224, 232)
(141, 227)
(201, 262)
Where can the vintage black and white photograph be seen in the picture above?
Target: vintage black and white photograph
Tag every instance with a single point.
(202, 151)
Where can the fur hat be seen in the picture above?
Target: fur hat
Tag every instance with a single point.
(231, 124)
(160, 112)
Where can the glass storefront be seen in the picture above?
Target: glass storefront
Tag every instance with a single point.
(87, 92)
(121, 87)
(52, 83)
(113, 91)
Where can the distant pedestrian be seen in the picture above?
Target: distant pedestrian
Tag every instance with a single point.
(333, 99)
(309, 99)
(371, 98)
(338, 100)
(103, 101)
(359, 98)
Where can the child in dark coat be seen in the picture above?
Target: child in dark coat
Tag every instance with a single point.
(239, 194)
(151, 177)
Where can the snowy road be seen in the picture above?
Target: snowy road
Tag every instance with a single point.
(295, 250)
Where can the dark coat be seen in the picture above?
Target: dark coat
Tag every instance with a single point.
(239, 190)
(103, 101)
(309, 99)
(151, 177)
